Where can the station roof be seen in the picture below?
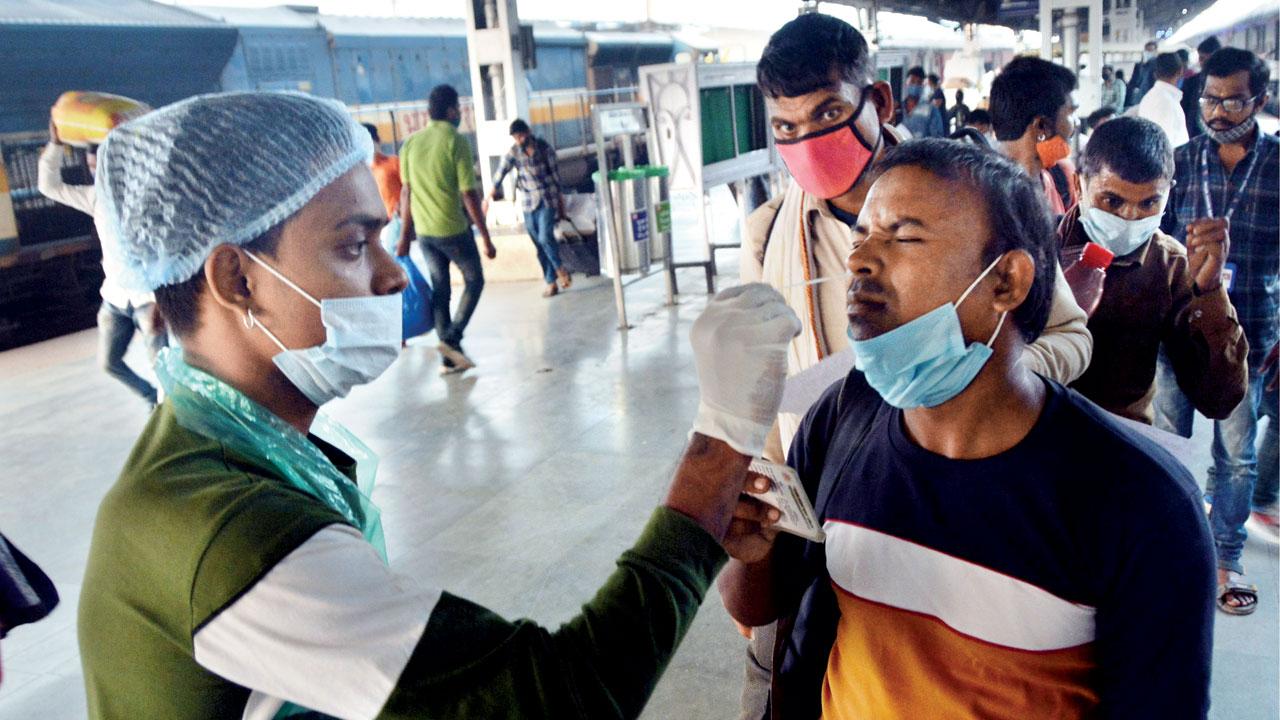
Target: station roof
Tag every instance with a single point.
(302, 17)
(392, 26)
(278, 16)
(1223, 14)
(1023, 14)
(137, 13)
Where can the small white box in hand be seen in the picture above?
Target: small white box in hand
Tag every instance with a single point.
(787, 495)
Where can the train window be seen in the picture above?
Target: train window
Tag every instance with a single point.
(484, 14)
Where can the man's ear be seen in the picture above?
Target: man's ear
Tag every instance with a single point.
(228, 284)
(882, 95)
(1044, 126)
(1017, 273)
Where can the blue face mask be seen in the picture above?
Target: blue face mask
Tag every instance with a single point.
(925, 362)
(1116, 234)
(915, 91)
(362, 340)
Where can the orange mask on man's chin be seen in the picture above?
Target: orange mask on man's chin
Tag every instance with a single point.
(1052, 151)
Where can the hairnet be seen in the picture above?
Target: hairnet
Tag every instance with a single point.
(217, 169)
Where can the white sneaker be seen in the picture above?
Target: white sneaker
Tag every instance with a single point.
(456, 356)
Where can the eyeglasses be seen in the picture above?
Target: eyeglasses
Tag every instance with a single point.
(1231, 105)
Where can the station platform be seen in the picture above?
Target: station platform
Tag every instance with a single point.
(515, 485)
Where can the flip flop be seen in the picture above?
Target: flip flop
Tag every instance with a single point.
(1235, 586)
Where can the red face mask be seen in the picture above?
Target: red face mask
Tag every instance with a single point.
(827, 163)
(1052, 151)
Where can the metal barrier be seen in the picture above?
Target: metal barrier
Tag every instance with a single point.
(561, 117)
(397, 121)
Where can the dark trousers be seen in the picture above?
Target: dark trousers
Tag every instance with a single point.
(116, 327)
(460, 250)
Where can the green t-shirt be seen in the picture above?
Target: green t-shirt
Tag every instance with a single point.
(436, 162)
(186, 529)
(192, 525)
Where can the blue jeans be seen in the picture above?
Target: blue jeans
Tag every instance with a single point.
(460, 250)
(1234, 472)
(116, 327)
(1267, 492)
(541, 224)
(1171, 408)
(1173, 412)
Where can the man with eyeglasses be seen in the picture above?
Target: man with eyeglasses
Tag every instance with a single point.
(1227, 183)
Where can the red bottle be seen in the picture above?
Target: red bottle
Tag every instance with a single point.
(1086, 276)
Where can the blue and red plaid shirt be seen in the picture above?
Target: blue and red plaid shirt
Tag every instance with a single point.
(537, 176)
(1255, 227)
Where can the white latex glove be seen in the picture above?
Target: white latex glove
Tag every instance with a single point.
(740, 350)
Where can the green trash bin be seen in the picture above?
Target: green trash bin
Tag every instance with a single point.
(630, 222)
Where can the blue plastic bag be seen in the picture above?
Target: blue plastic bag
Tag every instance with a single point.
(390, 235)
(418, 318)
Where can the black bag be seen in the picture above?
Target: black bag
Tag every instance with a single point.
(801, 651)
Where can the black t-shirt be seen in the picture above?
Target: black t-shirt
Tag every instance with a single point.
(1075, 568)
(847, 218)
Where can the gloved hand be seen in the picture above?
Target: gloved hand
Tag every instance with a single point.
(740, 350)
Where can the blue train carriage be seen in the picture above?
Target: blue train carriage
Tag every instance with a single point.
(49, 258)
(385, 68)
(1250, 24)
(277, 48)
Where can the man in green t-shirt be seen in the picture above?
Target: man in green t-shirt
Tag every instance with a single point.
(439, 181)
(237, 567)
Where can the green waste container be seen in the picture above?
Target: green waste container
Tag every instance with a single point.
(632, 190)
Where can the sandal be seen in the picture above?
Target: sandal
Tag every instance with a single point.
(1235, 586)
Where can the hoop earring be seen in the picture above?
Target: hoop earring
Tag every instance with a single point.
(1040, 137)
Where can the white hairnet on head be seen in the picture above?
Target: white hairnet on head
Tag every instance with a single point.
(216, 169)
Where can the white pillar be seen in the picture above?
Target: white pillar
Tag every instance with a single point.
(1092, 99)
(1071, 39)
(1046, 29)
(498, 90)
(1089, 94)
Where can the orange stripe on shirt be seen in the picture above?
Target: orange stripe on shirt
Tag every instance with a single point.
(892, 664)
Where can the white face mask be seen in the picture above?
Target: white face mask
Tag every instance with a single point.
(1116, 234)
(362, 340)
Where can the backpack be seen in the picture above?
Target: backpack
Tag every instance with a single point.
(1061, 184)
(801, 649)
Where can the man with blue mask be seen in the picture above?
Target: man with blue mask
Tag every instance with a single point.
(1144, 74)
(1228, 185)
(992, 538)
(830, 122)
(913, 87)
(238, 569)
(1156, 290)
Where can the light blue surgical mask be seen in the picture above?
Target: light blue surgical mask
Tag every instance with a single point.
(1116, 234)
(924, 363)
(915, 91)
(362, 340)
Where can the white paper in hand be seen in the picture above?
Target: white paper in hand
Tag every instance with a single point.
(787, 495)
